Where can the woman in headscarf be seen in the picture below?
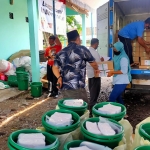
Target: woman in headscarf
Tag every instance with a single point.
(121, 74)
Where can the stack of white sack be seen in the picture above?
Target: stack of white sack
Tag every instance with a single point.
(103, 127)
(7, 68)
(16, 62)
(73, 102)
(93, 127)
(110, 109)
(43, 69)
(25, 61)
(59, 119)
(90, 146)
(33, 140)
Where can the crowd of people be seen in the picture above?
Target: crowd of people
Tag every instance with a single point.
(67, 68)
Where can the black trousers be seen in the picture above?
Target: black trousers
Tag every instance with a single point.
(127, 47)
(52, 80)
(94, 85)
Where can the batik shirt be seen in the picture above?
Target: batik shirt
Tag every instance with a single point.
(72, 64)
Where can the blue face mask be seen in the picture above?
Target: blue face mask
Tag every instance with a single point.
(117, 53)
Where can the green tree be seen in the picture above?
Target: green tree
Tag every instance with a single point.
(71, 22)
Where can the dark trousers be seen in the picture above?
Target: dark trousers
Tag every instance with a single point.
(116, 94)
(94, 85)
(75, 94)
(127, 47)
(52, 81)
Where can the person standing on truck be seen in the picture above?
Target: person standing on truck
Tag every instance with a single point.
(94, 82)
(71, 62)
(50, 53)
(121, 74)
(132, 31)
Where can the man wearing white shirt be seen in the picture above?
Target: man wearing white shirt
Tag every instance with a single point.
(94, 83)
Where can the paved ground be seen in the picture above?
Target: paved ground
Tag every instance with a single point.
(9, 93)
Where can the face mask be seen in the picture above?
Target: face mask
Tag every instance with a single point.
(117, 53)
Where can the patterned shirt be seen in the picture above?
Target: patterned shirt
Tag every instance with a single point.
(72, 64)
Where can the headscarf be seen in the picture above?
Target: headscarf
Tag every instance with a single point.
(117, 58)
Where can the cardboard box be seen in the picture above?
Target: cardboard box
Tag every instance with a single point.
(147, 38)
(136, 59)
(103, 73)
(144, 58)
(135, 54)
(144, 67)
(147, 33)
(135, 44)
(145, 62)
(142, 49)
(144, 54)
(106, 65)
(135, 48)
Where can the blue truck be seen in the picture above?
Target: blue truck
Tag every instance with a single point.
(111, 17)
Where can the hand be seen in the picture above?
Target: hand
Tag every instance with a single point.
(147, 50)
(96, 73)
(110, 73)
(59, 83)
(102, 59)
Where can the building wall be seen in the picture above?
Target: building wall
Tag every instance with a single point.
(14, 33)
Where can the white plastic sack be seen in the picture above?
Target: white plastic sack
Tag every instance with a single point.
(92, 127)
(16, 63)
(94, 146)
(84, 117)
(117, 128)
(60, 119)
(138, 140)
(110, 109)
(31, 143)
(7, 68)
(80, 148)
(2, 86)
(122, 145)
(25, 61)
(73, 102)
(105, 129)
(64, 138)
(43, 69)
(128, 131)
(31, 136)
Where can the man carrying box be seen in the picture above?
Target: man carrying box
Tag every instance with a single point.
(94, 82)
(132, 31)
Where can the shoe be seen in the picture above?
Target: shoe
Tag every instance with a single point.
(50, 94)
(55, 96)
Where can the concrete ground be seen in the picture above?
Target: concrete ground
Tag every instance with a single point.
(9, 93)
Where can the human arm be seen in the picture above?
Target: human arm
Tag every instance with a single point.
(58, 76)
(124, 68)
(57, 41)
(143, 43)
(146, 42)
(56, 71)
